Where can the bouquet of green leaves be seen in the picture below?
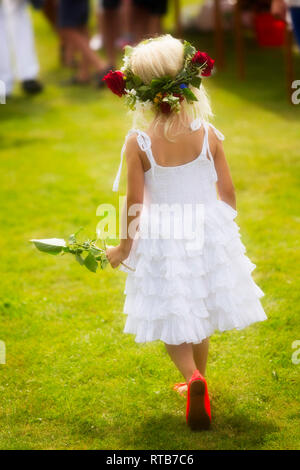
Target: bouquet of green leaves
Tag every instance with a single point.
(86, 253)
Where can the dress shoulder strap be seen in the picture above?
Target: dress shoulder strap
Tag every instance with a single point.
(144, 143)
(206, 152)
(198, 123)
(206, 148)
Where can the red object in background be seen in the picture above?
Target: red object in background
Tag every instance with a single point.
(269, 30)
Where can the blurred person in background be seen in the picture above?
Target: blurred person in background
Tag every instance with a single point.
(139, 19)
(279, 9)
(50, 9)
(72, 21)
(148, 17)
(114, 16)
(18, 59)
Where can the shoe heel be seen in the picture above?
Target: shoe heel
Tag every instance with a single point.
(198, 418)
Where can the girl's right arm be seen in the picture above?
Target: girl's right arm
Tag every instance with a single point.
(134, 200)
(225, 185)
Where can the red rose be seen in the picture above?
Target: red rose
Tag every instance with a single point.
(165, 107)
(201, 58)
(116, 82)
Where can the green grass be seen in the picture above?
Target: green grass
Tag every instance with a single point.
(72, 379)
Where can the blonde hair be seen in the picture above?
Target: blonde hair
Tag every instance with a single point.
(156, 58)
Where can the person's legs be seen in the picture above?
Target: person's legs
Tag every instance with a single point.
(50, 10)
(73, 19)
(154, 25)
(127, 18)
(182, 356)
(198, 405)
(141, 18)
(81, 43)
(110, 28)
(200, 352)
(148, 15)
(6, 72)
(84, 64)
(157, 10)
(68, 50)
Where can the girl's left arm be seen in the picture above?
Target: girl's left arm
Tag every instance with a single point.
(134, 200)
(224, 184)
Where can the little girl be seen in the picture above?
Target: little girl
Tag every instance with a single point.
(181, 286)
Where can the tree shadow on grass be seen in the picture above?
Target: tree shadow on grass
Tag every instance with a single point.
(132, 427)
(22, 107)
(77, 94)
(242, 431)
(15, 142)
(83, 95)
(231, 432)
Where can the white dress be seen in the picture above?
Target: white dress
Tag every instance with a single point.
(179, 291)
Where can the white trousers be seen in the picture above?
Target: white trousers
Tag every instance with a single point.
(17, 52)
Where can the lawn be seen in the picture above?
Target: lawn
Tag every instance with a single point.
(72, 379)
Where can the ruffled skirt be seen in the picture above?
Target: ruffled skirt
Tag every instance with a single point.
(182, 296)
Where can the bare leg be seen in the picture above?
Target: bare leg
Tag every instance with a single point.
(110, 29)
(200, 352)
(182, 356)
(154, 25)
(84, 31)
(83, 73)
(69, 51)
(84, 65)
(50, 12)
(140, 23)
(127, 17)
(80, 41)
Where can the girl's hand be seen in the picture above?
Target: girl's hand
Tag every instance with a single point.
(115, 255)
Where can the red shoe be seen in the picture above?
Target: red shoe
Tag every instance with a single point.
(198, 415)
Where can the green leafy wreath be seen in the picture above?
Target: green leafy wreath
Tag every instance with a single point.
(165, 93)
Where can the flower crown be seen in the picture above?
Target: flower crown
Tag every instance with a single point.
(165, 93)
